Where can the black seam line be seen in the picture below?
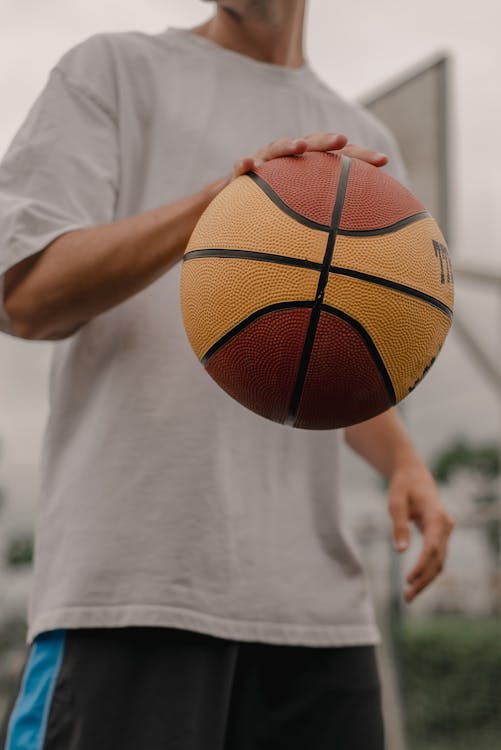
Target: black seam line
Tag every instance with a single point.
(385, 230)
(265, 187)
(283, 206)
(250, 319)
(372, 348)
(409, 290)
(319, 297)
(285, 260)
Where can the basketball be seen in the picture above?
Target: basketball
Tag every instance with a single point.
(317, 291)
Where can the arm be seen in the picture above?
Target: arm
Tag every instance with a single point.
(412, 496)
(86, 272)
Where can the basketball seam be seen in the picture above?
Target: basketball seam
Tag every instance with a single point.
(319, 297)
(277, 200)
(387, 229)
(225, 338)
(396, 286)
(301, 219)
(286, 260)
(371, 347)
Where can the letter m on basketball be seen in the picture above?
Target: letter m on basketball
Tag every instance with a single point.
(442, 254)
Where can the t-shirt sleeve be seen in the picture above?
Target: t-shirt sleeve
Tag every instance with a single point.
(60, 172)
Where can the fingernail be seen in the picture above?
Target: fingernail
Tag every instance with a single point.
(379, 156)
(401, 545)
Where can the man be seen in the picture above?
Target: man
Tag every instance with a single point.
(195, 586)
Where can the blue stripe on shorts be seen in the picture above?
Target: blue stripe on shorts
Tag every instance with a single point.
(28, 721)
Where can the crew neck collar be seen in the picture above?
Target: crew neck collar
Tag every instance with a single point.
(187, 37)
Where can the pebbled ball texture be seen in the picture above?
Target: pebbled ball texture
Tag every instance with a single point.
(258, 367)
(308, 322)
(342, 382)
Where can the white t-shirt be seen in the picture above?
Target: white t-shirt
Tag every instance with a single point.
(163, 502)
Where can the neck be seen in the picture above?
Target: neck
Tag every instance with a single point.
(266, 30)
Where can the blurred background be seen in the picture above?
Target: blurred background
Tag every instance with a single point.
(431, 72)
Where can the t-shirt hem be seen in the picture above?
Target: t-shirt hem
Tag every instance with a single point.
(291, 634)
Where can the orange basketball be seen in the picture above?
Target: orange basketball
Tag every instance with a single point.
(317, 291)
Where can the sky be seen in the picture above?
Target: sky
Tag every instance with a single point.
(356, 47)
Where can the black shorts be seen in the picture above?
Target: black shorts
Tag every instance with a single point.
(168, 689)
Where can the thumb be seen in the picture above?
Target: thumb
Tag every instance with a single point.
(399, 512)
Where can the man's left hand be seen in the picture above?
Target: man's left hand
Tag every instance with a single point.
(413, 496)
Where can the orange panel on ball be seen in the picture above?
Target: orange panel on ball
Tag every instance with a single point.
(219, 293)
(407, 332)
(408, 256)
(243, 217)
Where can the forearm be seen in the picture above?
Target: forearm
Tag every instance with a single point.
(383, 442)
(412, 494)
(88, 271)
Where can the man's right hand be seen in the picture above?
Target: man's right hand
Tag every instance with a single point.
(313, 142)
(86, 272)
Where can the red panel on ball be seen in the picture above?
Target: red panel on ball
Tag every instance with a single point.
(258, 366)
(343, 384)
(374, 200)
(307, 183)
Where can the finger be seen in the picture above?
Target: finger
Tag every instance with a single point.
(423, 581)
(325, 141)
(282, 147)
(430, 572)
(428, 567)
(431, 554)
(437, 529)
(399, 512)
(376, 158)
(242, 166)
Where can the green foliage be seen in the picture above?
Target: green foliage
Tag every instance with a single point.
(481, 459)
(20, 551)
(451, 682)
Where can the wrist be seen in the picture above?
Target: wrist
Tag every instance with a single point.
(406, 461)
(402, 455)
